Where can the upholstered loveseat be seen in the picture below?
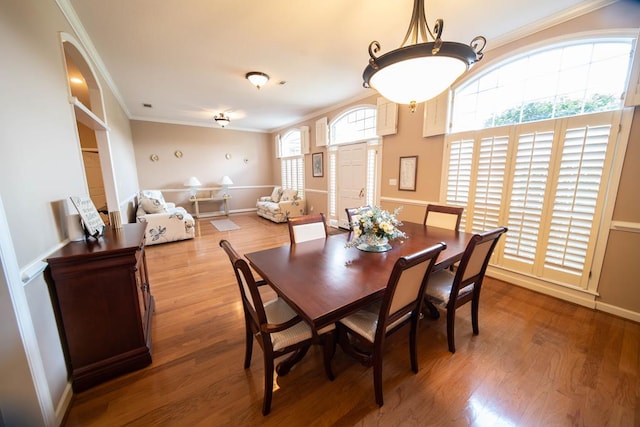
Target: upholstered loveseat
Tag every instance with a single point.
(166, 222)
(280, 205)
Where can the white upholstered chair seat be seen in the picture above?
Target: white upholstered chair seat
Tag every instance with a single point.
(278, 311)
(365, 321)
(439, 288)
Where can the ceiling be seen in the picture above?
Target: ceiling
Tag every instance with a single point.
(188, 59)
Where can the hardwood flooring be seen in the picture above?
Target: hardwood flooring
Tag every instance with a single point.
(538, 361)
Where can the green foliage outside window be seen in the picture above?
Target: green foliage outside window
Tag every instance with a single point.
(541, 110)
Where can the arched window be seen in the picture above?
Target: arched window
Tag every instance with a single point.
(539, 134)
(561, 80)
(292, 161)
(358, 124)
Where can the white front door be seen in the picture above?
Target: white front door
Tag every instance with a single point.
(352, 178)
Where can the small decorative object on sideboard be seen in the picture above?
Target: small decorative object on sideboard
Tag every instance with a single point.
(91, 219)
(373, 228)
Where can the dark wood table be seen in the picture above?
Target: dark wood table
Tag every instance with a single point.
(324, 281)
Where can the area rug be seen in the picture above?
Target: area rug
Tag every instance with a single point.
(224, 225)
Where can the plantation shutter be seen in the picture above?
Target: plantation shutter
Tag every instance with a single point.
(577, 195)
(526, 202)
(459, 174)
(292, 172)
(490, 183)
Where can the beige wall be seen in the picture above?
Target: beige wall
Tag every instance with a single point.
(40, 167)
(203, 156)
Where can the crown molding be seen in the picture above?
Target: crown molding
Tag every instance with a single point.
(83, 37)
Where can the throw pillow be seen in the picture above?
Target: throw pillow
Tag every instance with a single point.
(152, 201)
(152, 206)
(275, 195)
(288, 195)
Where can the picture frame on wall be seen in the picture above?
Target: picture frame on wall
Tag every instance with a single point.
(408, 173)
(318, 164)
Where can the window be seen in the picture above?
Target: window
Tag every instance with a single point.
(292, 161)
(539, 157)
(355, 125)
(564, 80)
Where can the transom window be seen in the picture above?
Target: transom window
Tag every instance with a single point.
(565, 80)
(358, 124)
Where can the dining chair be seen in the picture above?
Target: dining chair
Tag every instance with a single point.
(400, 304)
(450, 290)
(354, 213)
(443, 216)
(276, 327)
(307, 227)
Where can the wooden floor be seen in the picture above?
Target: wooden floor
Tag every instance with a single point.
(538, 361)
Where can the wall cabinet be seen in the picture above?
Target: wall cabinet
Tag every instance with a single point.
(103, 305)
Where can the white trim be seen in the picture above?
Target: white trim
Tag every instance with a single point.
(632, 227)
(25, 325)
(617, 311)
(575, 295)
(34, 270)
(74, 21)
(410, 202)
(311, 190)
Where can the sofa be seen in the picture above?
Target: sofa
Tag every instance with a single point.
(166, 222)
(281, 205)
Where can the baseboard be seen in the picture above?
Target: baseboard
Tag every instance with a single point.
(617, 311)
(64, 404)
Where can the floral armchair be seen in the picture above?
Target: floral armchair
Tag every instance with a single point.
(165, 221)
(281, 205)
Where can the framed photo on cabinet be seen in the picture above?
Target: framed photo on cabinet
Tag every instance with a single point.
(408, 173)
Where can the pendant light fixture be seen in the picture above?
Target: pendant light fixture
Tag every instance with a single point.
(420, 69)
(222, 120)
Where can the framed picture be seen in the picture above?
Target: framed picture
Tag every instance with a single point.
(318, 167)
(408, 172)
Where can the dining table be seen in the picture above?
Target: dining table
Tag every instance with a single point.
(323, 280)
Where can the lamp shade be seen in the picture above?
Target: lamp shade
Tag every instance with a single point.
(226, 180)
(192, 182)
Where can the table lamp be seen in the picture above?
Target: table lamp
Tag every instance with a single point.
(226, 182)
(193, 183)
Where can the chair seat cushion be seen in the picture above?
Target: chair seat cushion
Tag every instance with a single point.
(439, 287)
(365, 321)
(278, 311)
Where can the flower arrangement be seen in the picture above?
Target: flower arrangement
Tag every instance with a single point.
(374, 227)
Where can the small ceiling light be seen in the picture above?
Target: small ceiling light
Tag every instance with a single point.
(222, 120)
(76, 80)
(257, 78)
(419, 71)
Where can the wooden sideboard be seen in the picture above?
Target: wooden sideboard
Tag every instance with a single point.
(103, 305)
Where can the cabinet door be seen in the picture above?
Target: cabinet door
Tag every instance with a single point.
(142, 287)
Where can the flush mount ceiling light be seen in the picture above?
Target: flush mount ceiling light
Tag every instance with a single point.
(257, 78)
(222, 120)
(418, 71)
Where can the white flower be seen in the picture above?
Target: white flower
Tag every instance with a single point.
(374, 225)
